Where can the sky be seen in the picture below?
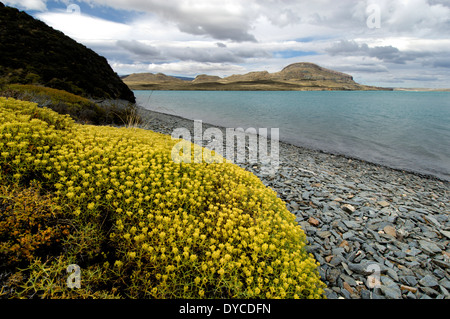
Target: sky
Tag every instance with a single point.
(400, 43)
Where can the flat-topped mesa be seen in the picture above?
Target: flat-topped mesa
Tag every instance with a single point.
(310, 71)
(251, 76)
(204, 78)
(302, 76)
(150, 77)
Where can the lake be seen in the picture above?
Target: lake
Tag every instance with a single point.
(403, 130)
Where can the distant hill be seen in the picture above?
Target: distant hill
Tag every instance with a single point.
(34, 53)
(302, 76)
(150, 77)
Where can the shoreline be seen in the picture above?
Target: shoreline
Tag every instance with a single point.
(165, 117)
(357, 214)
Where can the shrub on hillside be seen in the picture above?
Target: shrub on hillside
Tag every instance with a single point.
(147, 227)
(82, 110)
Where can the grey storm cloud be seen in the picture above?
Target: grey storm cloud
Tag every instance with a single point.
(388, 53)
(139, 48)
(368, 67)
(441, 63)
(207, 18)
(215, 54)
(228, 31)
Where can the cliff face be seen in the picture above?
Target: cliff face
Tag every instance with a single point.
(34, 53)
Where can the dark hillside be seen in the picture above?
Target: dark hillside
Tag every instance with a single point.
(31, 52)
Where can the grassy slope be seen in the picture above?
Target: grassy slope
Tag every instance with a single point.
(81, 109)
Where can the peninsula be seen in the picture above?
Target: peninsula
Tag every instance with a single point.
(302, 76)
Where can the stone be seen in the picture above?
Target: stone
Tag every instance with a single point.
(312, 221)
(432, 220)
(446, 256)
(352, 224)
(348, 287)
(445, 283)
(365, 294)
(392, 273)
(348, 208)
(429, 248)
(391, 292)
(413, 251)
(408, 288)
(324, 234)
(344, 244)
(333, 275)
(409, 280)
(360, 268)
(328, 258)
(360, 255)
(444, 291)
(348, 235)
(390, 231)
(349, 280)
(330, 294)
(445, 233)
(346, 293)
(428, 281)
(383, 203)
(430, 292)
(441, 263)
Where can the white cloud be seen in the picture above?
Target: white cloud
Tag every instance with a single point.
(84, 28)
(188, 68)
(213, 18)
(39, 5)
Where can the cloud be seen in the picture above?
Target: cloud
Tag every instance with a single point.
(187, 68)
(38, 5)
(363, 68)
(388, 53)
(139, 49)
(198, 51)
(218, 19)
(442, 63)
(416, 16)
(83, 27)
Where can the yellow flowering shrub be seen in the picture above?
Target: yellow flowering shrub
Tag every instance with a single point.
(29, 226)
(82, 110)
(154, 228)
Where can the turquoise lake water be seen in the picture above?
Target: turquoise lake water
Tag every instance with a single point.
(403, 130)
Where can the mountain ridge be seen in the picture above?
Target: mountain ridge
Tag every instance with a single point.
(300, 76)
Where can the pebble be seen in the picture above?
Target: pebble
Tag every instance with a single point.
(428, 281)
(348, 208)
(360, 217)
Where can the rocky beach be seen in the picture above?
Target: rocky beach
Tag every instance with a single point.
(377, 232)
